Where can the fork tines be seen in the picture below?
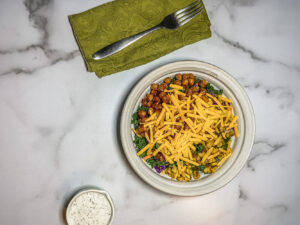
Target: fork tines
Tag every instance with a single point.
(189, 12)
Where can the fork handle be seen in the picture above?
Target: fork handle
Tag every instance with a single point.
(119, 45)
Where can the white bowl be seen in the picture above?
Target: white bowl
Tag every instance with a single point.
(241, 146)
(89, 190)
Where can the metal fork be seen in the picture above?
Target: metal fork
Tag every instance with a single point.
(172, 21)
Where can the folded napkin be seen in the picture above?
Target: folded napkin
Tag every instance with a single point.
(113, 21)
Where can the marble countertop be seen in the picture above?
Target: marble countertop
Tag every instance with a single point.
(58, 123)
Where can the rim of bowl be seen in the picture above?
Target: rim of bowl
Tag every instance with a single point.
(87, 190)
(242, 146)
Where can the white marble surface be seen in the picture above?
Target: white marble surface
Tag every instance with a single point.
(58, 123)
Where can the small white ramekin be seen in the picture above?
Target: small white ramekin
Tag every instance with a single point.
(89, 190)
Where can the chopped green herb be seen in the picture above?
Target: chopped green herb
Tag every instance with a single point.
(225, 146)
(154, 162)
(156, 146)
(199, 148)
(173, 80)
(198, 168)
(140, 143)
(217, 159)
(134, 120)
(197, 79)
(172, 165)
(142, 108)
(211, 90)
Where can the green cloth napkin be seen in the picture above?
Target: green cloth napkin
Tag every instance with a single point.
(113, 21)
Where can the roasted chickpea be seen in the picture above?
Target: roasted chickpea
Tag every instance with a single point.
(144, 102)
(154, 92)
(160, 156)
(156, 105)
(149, 104)
(160, 88)
(167, 80)
(195, 89)
(142, 113)
(162, 94)
(203, 90)
(165, 99)
(177, 127)
(154, 86)
(178, 76)
(185, 82)
(204, 98)
(156, 99)
(186, 76)
(188, 92)
(150, 111)
(150, 97)
(191, 76)
(177, 82)
(191, 81)
(168, 99)
(203, 83)
(141, 129)
(165, 86)
(142, 120)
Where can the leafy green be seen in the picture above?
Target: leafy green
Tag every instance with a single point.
(173, 80)
(198, 168)
(211, 90)
(199, 148)
(172, 165)
(156, 146)
(225, 143)
(154, 162)
(134, 120)
(141, 107)
(197, 79)
(140, 143)
(135, 117)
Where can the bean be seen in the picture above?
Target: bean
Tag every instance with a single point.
(162, 94)
(178, 76)
(160, 156)
(167, 80)
(188, 92)
(156, 99)
(191, 81)
(203, 83)
(185, 82)
(154, 86)
(203, 90)
(149, 104)
(144, 102)
(177, 82)
(186, 76)
(150, 97)
(204, 98)
(150, 111)
(142, 113)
